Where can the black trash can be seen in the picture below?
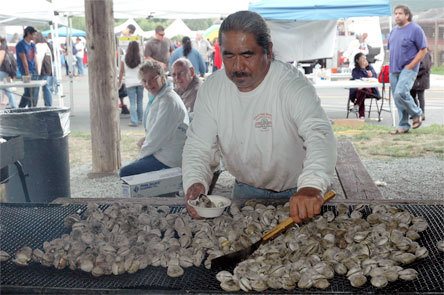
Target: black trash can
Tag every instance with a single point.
(45, 133)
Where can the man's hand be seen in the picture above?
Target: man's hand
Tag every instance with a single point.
(192, 193)
(306, 203)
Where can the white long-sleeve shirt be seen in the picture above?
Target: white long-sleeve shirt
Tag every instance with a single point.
(166, 122)
(274, 137)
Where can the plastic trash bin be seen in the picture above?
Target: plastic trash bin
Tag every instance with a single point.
(45, 133)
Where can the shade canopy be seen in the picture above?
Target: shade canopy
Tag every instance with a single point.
(63, 32)
(305, 10)
(212, 32)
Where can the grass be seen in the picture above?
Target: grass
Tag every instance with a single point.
(375, 141)
(370, 141)
(438, 70)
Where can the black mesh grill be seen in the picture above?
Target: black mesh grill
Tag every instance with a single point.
(31, 225)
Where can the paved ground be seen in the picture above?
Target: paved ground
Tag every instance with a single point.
(333, 100)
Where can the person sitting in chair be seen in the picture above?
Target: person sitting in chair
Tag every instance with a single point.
(362, 70)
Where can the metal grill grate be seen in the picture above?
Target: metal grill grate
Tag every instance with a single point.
(32, 224)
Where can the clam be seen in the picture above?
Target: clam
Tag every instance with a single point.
(440, 245)
(421, 252)
(321, 284)
(174, 271)
(408, 274)
(23, 256)
(357, 280)
(259, 285)
(230, 285)
(4, 256)
(223, 276)
(379, 281)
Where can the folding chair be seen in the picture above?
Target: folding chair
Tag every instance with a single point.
(373, 97)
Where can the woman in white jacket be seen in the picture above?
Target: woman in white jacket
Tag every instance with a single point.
(165, 120)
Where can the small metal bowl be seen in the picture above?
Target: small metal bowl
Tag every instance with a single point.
(220, 202)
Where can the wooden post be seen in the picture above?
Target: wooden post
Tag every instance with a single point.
(105, 129)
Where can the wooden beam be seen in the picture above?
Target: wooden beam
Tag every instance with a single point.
(105, 129)
(356, 183)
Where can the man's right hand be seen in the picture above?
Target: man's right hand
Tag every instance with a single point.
(193, 192)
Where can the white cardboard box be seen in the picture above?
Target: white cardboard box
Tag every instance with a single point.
(152, 184)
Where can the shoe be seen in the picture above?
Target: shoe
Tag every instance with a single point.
(132, 125)
(416, 122)
(399, 131)
(361, 118)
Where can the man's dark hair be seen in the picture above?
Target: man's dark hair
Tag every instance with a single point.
(29, 31)
(159, 29)
(131, 28)
(406, 11)
(247, 22)
(186, 44)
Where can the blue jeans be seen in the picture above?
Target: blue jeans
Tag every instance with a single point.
(79, 62)
(245, 191)
(135, 95)
(47, 94)
(147, 164)
(30, 96)
(7, 92)
(401, 84)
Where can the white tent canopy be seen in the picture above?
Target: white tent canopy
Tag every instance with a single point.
(170, 9)
(178, 27)
(118, 29)
(27, 13)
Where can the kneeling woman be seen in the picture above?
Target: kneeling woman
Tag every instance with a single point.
(357, 95)
(165, 121)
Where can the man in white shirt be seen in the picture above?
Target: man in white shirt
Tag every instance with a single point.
(80, 48)
(264, 117)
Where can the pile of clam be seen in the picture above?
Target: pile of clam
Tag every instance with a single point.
(125, 238)
(374, 249)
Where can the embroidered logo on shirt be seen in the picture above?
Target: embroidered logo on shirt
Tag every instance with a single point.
(263, 122)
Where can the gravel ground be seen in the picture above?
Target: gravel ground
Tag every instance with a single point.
(415, 178)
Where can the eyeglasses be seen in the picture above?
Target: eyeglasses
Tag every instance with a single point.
(161, 34)
(179, 74)
(150, 81)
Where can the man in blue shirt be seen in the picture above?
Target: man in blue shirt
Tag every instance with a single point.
(408, 46)
(26, 61)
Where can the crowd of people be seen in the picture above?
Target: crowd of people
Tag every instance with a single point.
(34, 60)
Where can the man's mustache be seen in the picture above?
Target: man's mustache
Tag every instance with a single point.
(239, 74)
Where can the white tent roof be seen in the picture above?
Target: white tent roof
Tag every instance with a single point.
(170, 9)
(25, 13)
(118, 29)
(178, 27)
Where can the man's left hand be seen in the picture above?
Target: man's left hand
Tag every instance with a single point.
(306, 203)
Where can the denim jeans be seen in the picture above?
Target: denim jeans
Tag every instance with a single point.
(245, 191)
(135, 95)
(7, 92)
(47, 94)
(401, 83)
(147, 164)
(30, 96)
(79, 62)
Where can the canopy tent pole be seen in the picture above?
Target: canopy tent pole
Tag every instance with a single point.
(70, 66)
(57, 64)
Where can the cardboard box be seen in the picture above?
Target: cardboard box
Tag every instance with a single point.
(152, 184)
